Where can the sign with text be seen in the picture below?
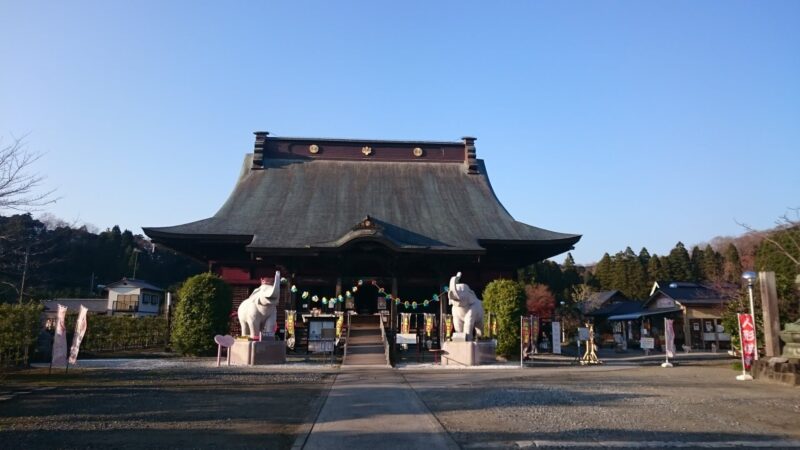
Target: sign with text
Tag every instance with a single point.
(647, 343)
(583, 334)
(556, 338)
(747, 334)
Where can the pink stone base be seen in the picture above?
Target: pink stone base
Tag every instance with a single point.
(469, 353)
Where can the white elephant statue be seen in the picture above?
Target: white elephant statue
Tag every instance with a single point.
(467, 308)
(260, 311)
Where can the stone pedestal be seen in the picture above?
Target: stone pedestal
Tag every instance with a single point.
(255, 353)
(781, 370)
(469, 353)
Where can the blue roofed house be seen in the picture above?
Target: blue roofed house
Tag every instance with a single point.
(695, 308)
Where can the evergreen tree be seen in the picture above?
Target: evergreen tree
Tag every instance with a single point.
(570, 272)
(712, 265)
(603, 272)
(656, 270)
(697, 260)
(679, 265)
(644, 257)
(733, 265)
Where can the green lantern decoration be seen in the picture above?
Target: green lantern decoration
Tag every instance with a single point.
(413, 305)
(293, 289)
(315, 299)
(305, 295)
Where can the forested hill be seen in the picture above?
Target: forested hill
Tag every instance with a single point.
(45, 260)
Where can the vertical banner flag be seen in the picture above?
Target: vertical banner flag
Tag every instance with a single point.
(429, 324)
(80, 331)
(60, 339)
(747, 335)
(290, 318)
(526, 332)
(448, 326)
(556, 338)
(339, 324)
(405, 323)
(669, 336)
(535, 332)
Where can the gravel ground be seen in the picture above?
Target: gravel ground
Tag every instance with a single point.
(164, 408)
(688, 404)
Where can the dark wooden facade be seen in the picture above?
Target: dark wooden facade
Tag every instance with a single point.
(328, 212)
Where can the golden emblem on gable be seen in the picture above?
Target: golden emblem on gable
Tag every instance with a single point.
(417, 152)
(313, 148)
(366, 150)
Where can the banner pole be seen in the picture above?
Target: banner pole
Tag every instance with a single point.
(744, 376)
(521, 340)
(668, 339)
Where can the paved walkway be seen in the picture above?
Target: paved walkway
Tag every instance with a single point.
(374, 408)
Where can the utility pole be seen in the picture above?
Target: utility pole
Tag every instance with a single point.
(24, 273)
(136, 252)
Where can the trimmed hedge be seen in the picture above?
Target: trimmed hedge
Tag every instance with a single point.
(110, 333)
(505, 299)
(19, 329)
(204, 304)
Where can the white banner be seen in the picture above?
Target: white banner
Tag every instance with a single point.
(669, 336)
(556, 334)
(60, 339)
(80, 330)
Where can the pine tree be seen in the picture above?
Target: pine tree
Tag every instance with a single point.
(697, 260)
(679, 264)
(570, 272)
(644, 257)
(604, 272)
(712, 265)
(733, 265)
(656, 270)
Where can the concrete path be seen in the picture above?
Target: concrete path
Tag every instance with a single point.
(371, 409)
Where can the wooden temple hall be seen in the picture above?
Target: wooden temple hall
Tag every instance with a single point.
(407, 215)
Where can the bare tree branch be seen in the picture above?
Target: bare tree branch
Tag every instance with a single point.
(18, 185)
(783, 223)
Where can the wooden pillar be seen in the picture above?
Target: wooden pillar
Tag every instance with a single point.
(393, 323)
(442, 309)
(338, 306)
(769, 305)
(687, 328)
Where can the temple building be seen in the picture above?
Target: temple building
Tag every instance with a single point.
(329, 212)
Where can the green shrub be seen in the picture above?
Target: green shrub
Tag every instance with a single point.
(204, 303)
(505, 299)
(109, 333)
(19, 329)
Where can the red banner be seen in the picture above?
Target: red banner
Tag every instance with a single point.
(747, 335)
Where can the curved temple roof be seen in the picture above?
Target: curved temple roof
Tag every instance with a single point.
(285, 201)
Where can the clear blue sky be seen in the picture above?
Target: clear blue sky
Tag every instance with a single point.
(632, 123)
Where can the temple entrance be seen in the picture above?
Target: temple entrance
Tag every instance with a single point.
(366, 299)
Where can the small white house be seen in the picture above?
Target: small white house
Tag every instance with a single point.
(134, 297)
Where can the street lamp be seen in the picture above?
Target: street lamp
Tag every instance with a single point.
(750, 277)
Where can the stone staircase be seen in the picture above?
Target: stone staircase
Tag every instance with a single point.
(365, 342)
